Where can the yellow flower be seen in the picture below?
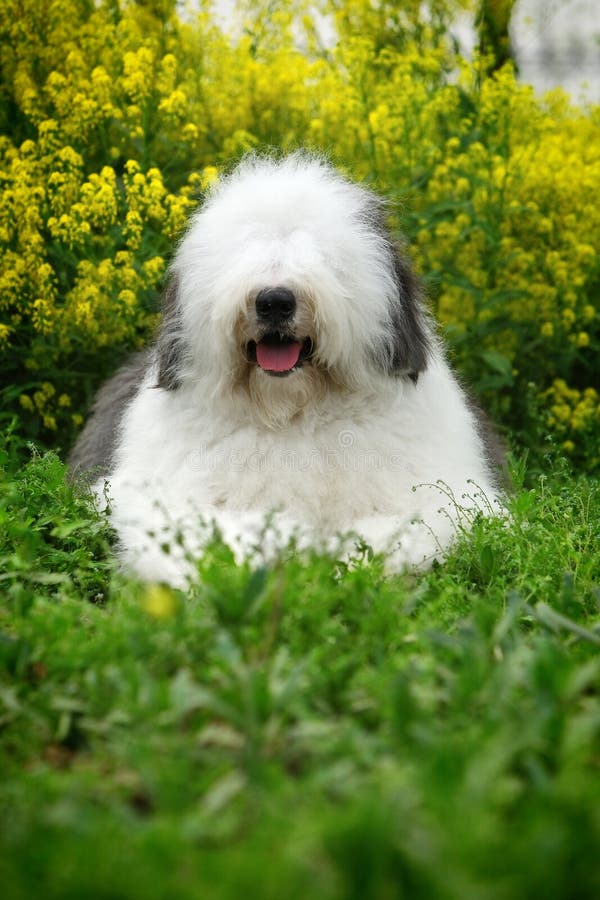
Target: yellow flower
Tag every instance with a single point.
(133, 229)
(547, 329)
(583, 339)
(190, 132)
(127, 298)
(174, 106)
(589, 313)
(159, 601)
(210, 174)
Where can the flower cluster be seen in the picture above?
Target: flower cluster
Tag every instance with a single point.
(574, 417)
(121, 114)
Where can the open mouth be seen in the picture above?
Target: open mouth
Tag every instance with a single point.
(279, 355)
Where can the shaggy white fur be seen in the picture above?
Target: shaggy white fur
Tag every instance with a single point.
(296, 388)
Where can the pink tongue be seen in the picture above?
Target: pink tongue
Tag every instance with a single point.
(277, 357)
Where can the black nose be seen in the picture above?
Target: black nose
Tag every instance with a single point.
(275, 305)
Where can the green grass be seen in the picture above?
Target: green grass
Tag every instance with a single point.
(302, 730)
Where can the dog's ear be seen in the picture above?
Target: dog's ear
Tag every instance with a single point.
(170, 343)
(407, 343)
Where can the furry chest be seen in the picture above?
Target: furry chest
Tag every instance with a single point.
(327, 486)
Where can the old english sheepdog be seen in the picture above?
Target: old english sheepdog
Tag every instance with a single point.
(296, 389)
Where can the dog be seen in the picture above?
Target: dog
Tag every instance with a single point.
(297, 390)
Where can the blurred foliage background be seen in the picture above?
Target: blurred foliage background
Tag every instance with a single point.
(116, 115)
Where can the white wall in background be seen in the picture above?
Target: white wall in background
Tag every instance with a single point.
(556, 42)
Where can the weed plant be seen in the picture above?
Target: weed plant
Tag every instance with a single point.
(305, 728)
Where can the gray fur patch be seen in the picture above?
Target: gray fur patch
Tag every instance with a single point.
(410, 343)
(407, 343)
(170, 344)
(94, 449)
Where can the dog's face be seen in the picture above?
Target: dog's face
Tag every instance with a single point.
(286, 286)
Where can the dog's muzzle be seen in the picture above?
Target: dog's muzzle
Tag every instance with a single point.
(278, 351)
